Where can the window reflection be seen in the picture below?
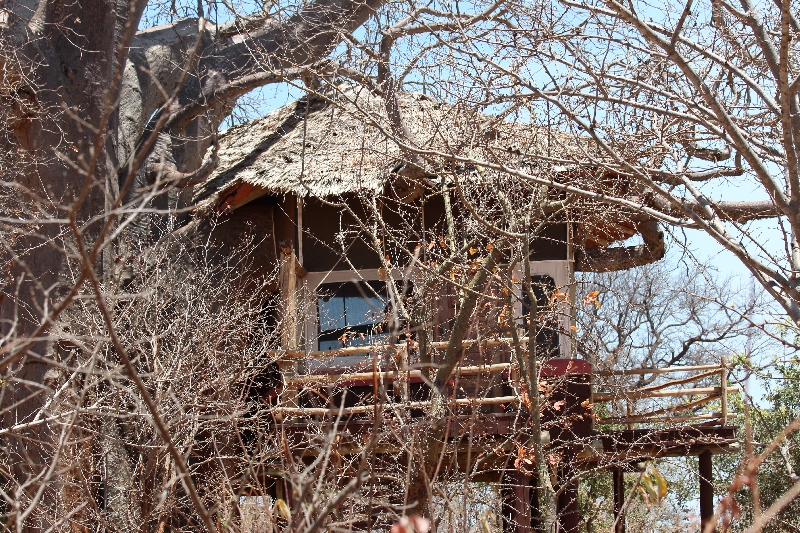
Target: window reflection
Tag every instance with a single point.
(351, 314)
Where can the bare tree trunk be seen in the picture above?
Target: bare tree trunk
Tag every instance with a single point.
(122, 496)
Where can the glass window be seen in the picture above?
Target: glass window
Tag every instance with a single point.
(331, 313)
(547, 335)
(351, 314)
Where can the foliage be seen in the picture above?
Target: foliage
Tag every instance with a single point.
(780, 406)
(138, 389)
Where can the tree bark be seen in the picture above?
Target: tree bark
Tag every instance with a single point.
(81, 91)
(624, 257)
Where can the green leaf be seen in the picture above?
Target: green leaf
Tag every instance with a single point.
(652, 485)
(659, 481)
(649, 489)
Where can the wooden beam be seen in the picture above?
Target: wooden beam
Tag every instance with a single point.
(618, 481)
(706, 488)
(667, 370)
(637, 395)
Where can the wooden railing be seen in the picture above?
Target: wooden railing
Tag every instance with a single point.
(669, 389)
(404, 373)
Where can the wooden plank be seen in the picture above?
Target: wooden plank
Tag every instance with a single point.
(392, 374)
(667, 370)
(362, 409)
(636, 395)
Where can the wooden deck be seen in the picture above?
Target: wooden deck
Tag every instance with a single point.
(592, 420)
(600, 419)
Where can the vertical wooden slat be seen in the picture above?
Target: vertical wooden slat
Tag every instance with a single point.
(629, 411)
(289, 284)
(405, 378)
(723, 383)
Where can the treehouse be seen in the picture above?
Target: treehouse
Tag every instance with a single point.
(402, 278)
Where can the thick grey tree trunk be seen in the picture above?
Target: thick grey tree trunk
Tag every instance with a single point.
(83, 96)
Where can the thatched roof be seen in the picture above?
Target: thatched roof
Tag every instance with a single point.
(342, 143)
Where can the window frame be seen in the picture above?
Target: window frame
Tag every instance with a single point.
(314, 280)
(559, 270)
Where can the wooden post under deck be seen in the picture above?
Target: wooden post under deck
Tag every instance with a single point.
(516, 495)
(618, 480)
(569, 517)
(706, 488)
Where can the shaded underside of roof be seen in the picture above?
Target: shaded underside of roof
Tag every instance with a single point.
(343, 142)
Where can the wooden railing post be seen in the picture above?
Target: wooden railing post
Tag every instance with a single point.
(629, 412)
(405, 374)
(290, 283)
(723, 378)
(288, 398)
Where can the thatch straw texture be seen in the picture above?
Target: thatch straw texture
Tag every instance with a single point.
(344, 143)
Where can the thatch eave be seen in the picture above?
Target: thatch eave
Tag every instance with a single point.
(326, 146)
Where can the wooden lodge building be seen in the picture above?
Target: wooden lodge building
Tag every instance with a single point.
(349, 220)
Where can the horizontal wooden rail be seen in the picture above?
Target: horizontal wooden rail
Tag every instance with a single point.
(390, 374)
(667, 370)
(363, 409)
(682, 406)
(642, 419)
(354, 350)
(682, 381)
(639, 395)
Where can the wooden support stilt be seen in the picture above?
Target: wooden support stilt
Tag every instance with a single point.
(516, 496)
(567, 505)
(618, 480)
(706, 488)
